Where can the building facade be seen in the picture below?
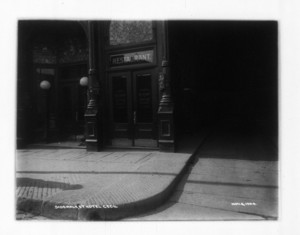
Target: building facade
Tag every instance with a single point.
(142, 84)
(108, 84)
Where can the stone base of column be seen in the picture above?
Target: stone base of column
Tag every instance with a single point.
(166, 129)
(167, 145)
(92, 146)
(92, 141)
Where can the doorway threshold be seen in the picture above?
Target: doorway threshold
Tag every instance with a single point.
(130, 148)
(62, 144)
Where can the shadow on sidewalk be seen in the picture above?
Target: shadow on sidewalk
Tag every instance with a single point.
(239, 141)
(98, 173)
(29, 182)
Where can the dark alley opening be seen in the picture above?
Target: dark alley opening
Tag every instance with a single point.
(225, 72)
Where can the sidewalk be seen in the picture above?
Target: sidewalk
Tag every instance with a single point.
(77, 185)
(234, 176)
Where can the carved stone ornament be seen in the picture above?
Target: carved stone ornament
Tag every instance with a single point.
(162, 82)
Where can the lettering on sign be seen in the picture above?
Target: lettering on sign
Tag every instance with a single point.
(140, 57)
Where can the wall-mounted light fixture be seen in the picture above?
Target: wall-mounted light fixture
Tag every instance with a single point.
(45, 85)
(84, 81)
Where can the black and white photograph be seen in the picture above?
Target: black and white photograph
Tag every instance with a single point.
(147, 120)
(150, 118)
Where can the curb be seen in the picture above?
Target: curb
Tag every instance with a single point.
(47, 208)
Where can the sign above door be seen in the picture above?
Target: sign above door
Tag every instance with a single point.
(132, 58)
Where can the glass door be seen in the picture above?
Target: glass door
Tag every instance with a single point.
(120, 109)
(144, 109)
(132, 109)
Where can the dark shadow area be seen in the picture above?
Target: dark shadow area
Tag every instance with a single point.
(230, 184)
(54, 51)
(29, 182)
(161, 208)
(55, 146)
(238, 140)
(179, 189)
(225, 72)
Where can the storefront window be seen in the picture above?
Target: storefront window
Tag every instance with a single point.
(69, 50)
(44, 54)
(127, 32)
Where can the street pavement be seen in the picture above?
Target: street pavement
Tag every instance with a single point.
(234, 177)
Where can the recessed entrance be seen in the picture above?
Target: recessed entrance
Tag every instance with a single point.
(72, 102)
(132, 103)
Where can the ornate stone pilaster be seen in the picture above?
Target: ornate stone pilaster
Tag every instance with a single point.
(166, 136)
(92, 115)
(166, 111)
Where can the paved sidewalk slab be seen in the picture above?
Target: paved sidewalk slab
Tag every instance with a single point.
(79, 185)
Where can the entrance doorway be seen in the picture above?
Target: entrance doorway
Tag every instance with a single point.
(133, 99)
(72, 102)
